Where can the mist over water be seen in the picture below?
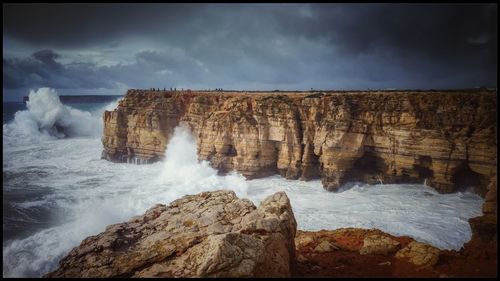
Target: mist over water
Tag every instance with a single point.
(57, 190)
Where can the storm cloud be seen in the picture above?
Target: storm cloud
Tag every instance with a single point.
(110, 47)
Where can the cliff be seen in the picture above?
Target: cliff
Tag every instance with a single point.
(446, 138)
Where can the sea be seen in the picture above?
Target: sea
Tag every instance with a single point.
(57, 190)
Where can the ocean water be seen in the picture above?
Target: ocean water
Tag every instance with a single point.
(57, 190)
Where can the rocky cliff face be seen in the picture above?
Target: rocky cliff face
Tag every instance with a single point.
(447, 139)
(211, 234)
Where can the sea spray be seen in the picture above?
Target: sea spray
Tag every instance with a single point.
(93, 193)
(47, 118)
(182, 168)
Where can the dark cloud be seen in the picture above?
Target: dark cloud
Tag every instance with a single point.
(46, 56)
(149, 69)
(71, 25)
(355, 28)
(294, 46)
(42, 70)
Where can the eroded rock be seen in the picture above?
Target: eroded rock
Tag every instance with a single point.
(195, 236)
(378, 244)
(325, 246)
(419, 254)
(445, 138)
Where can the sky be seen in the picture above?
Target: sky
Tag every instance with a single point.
(108, 48)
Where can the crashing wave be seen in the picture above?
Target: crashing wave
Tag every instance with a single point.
(47, 118)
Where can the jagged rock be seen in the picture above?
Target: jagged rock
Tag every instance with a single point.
(325, 246)
(446, 138)
(419, 254)
(303, 240)
(478, 259)
(378, 244)
(211, 234)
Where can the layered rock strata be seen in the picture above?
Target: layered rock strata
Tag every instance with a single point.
(211, 234)
(446, 139)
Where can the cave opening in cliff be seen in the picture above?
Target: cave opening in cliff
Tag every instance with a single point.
(311, 166)
(423, 167)
(464, 178)
(369, 168)
(231, 151)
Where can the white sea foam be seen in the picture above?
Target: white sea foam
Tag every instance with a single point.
(93, 193)
(182, 168)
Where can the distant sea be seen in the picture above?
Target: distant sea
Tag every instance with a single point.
(10, 108)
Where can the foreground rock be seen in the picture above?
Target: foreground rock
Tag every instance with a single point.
(373, 253)
(445, 138)
(378, 244)
(419, 254)
(211, 234)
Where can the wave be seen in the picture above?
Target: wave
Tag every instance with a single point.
(47, 119)
(182, 168)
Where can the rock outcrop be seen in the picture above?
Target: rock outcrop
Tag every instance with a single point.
(211, 234)
(378, 244)
(372, 253)
(446, 138)
(419, 254)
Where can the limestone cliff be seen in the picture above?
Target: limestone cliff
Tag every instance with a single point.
(446, 138)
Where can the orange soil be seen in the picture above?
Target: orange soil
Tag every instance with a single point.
(476, 260)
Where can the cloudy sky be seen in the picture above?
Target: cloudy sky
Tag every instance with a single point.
(107, 48)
